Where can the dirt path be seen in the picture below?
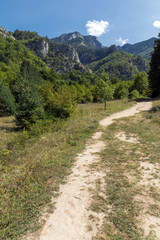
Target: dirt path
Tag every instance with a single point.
(70, 220)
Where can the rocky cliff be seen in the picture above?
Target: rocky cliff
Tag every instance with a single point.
(58, 55)
(39, 46)
(4, 33)
(76, 39)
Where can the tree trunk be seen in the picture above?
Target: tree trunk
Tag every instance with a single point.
(105, 105)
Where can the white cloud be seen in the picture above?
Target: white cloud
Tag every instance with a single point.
(97, 28)
(156, 24)
(121, 41)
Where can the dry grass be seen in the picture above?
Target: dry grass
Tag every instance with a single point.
(32, 167)
(131, 201)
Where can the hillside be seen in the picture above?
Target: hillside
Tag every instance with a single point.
(113, 59)
(143, 49)
(76, 52)
(89, 55)
(12, 54)
(120, 65)
(58, 55)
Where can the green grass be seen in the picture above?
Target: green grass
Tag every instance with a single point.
(32, 166)
(121, 160)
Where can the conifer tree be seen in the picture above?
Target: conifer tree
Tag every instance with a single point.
(29, 103)
(7, 101)
(154, 73)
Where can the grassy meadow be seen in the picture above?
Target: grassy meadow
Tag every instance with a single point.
(130, 200)
(33, 164)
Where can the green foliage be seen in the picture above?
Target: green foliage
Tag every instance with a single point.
(141, 83)
(12, 54)
(42, 93)
(143, 49)
(122, 89)
(76, 76)
(7, 101)
(58, 104)
(120, 65)
(103, 90)
(154, 73)
(23, 35)
(29, 104)
(134, 94)
(88, 55)
(83, 93)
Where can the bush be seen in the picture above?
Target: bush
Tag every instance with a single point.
(141, 83)
(134, 94)
(121, 90)
(58, 104)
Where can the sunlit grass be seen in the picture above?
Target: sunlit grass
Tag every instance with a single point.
(33, 166)
(126, 196)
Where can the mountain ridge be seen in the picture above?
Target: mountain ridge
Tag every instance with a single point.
(143, 48)
(62, 57)
(77, 38)
(90, 56)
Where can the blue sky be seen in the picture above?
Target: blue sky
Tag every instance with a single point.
(111, 20)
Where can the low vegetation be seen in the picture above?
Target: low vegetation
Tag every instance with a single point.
(32, 167)
(130, 199)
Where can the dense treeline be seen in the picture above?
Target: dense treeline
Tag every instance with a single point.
(33, 92)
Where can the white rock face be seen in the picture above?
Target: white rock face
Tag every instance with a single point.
(44, 48)
(4, 33)
(75, 35)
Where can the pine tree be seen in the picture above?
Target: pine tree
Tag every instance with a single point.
(7, 102)
(29, 103)
(154, 73)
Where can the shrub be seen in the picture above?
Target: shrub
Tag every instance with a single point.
(121, 90)
(134, 94)
(141, 83)
(58, 104)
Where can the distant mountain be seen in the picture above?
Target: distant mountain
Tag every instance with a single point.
(88, 55)
(143, 49)
(75, 51)
(88, 47)
(76, 39)
(120, 65)
(62, 57)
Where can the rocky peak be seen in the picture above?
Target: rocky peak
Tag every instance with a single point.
(4, 33)
(76, 39)
(75, 35)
